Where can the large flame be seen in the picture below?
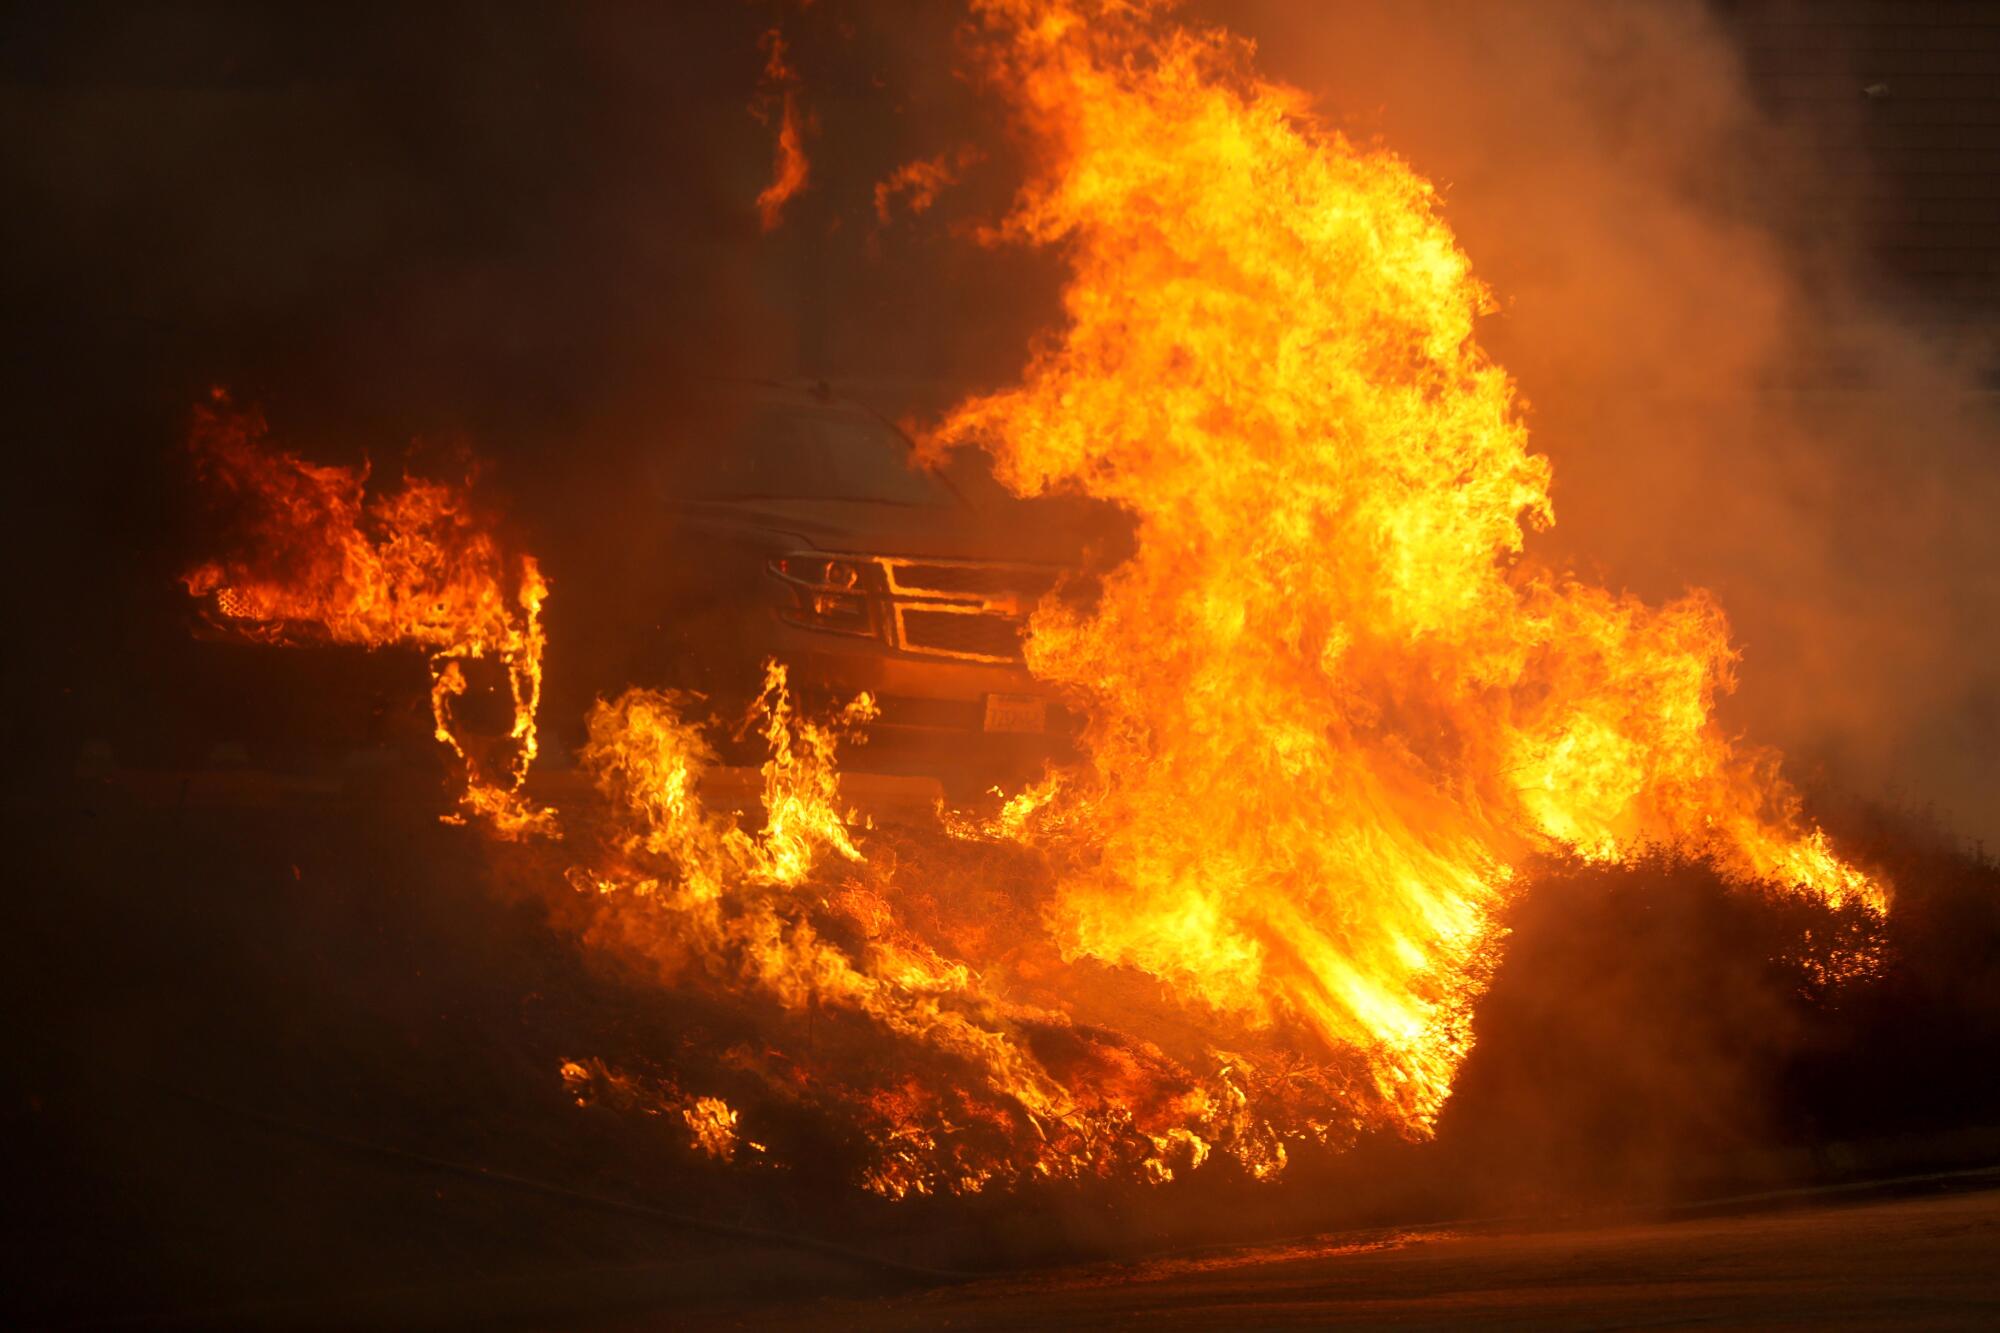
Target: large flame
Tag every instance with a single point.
(1334, 708)
(1327, 642)
(319, 557)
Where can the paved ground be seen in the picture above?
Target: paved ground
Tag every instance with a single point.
(1931, 1261)
(288, 1054)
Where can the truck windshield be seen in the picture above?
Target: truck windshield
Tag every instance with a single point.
(779, 452)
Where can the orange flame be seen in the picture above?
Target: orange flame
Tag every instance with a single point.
(919, 183)
(711, 904)
(1333, 706)
(710, 1122)
(1328, 640)
(789, 167)
(320, 558)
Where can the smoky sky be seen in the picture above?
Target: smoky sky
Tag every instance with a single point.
(523, 226)
(1735, 392)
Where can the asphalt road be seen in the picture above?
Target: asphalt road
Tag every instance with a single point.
(1928, 1261)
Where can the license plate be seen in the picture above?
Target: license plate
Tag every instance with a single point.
(1016, 712)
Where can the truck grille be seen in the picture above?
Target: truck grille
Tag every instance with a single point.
(970, 610)
(965, 610)
(970, 633)
(919, 577)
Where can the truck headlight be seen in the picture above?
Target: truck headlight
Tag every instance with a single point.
(820, 571)
(825, 593)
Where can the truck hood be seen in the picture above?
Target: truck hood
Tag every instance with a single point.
(1023, 531)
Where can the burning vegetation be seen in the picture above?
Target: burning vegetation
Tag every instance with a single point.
(1333, 712)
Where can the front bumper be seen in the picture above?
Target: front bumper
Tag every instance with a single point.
(937, 642)
(917, 694)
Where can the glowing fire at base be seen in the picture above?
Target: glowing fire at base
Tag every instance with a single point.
(1333, 709)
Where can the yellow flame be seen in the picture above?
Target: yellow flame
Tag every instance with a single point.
(1327, 642)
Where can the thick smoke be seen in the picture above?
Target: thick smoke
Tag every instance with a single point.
(1732, 393)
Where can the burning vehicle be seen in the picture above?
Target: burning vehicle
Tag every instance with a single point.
(1093, 753)
(802, 527)
(1334, 710)
(795, 526)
